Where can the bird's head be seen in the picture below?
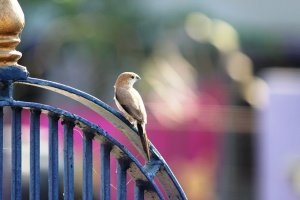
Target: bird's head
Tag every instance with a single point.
(127, 79)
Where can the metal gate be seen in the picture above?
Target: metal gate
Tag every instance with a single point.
(155, 180)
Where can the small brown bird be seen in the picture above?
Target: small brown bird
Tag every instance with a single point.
(130, 103)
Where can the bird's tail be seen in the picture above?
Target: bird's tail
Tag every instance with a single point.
(144, 139)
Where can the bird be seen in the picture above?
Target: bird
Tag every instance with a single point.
(130, 103)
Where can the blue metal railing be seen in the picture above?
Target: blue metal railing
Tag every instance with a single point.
(145, 185)
(1, 149)
(87, 177)
(53, 177)
(35, 154)
(16, 142)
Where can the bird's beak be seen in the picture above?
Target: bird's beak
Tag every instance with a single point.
(138, 78)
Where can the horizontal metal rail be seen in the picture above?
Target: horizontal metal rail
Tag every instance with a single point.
(157, 167)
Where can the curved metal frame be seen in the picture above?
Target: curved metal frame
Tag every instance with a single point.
(156, 167)
(138, 172)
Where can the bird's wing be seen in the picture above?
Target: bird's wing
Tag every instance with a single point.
(130, 103)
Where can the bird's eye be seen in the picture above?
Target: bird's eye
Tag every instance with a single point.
(132, 77)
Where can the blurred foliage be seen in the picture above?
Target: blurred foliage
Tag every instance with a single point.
(96, 40)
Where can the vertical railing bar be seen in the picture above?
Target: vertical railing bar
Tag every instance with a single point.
(138, 191)
(53, 178)
(105, 171)
(34, 183)
(16, 142)
(68, 161)
(121, 179)
(87, 179)
(1, 150)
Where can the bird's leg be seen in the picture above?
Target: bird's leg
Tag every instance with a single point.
(133, 122)
(130, 119)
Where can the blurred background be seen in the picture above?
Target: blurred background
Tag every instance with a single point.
(220, 82)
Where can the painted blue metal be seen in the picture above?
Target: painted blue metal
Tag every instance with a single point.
(122, 167)
(105, 171)
(127, 163)
(34, 183)
(153, 167)
(87, 178)
(138, 191)
(11, 73)
(136, 170)
(68, 160)
(164, 175)
(53, 178)
(157, 167)
(16, 174)
(1, 150)
(6, 90)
